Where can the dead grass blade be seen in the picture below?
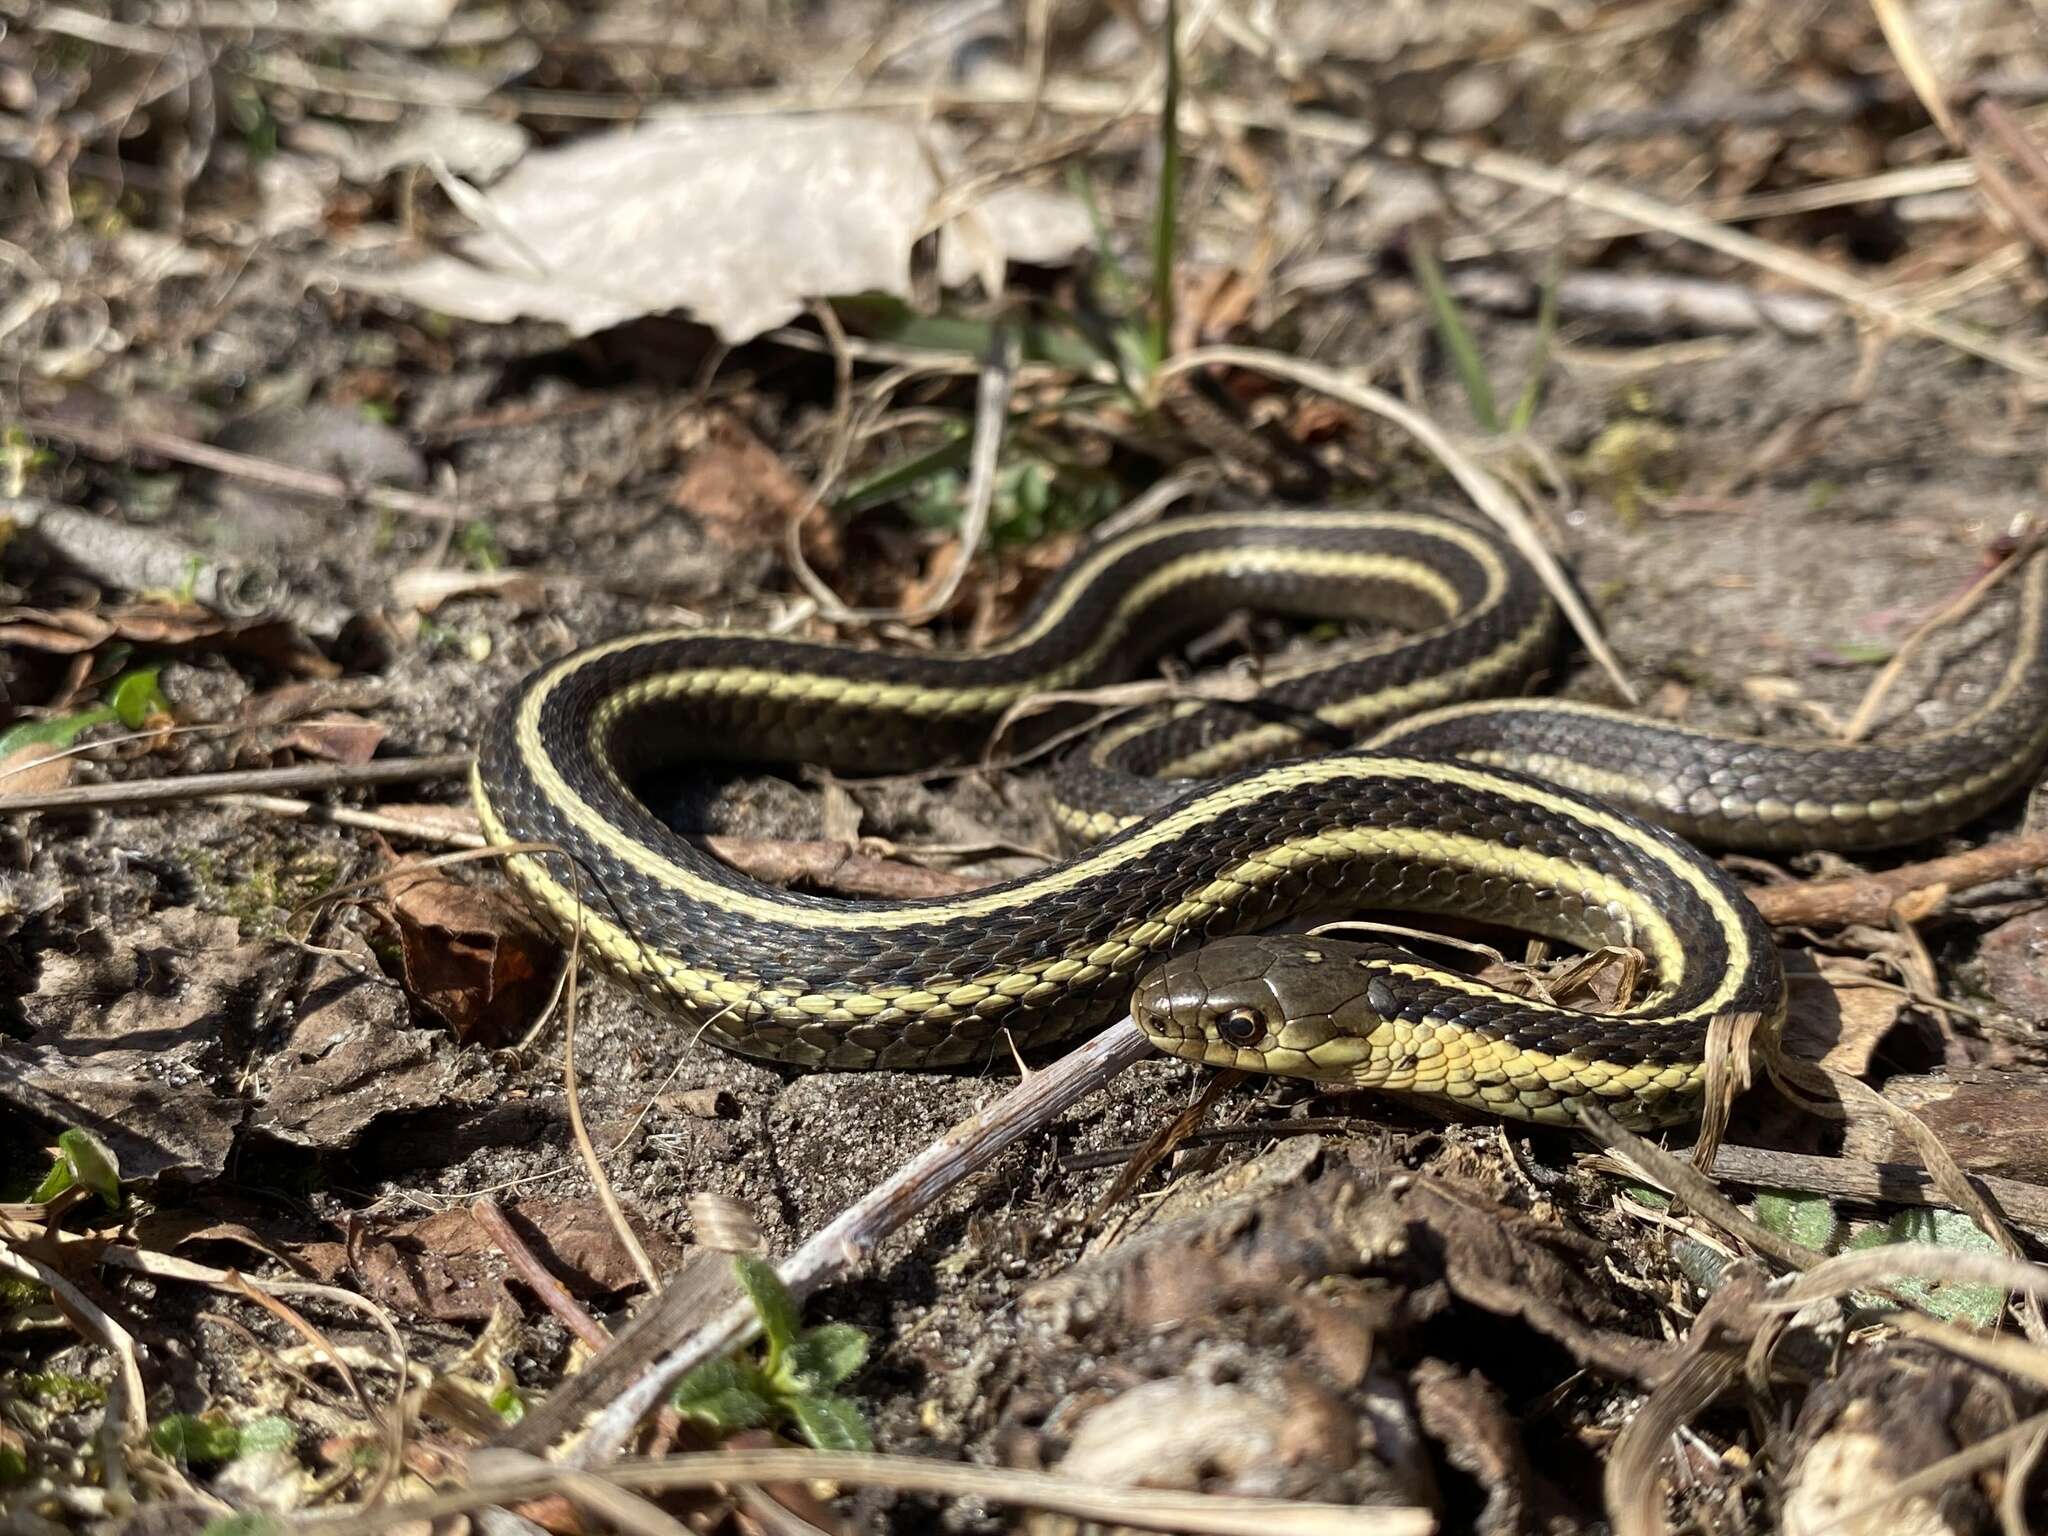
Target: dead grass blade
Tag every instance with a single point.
(126, 1421)
(1874, 1268)
(1715, 1350)
(1914, 64)
(1686, 225)
(1144, 1508)
(1823, 1091)
(848, 1239)
(1950, 613)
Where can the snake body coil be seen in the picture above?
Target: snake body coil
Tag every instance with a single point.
(823, 982)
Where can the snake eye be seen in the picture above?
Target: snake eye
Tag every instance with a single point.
(1241, 1026)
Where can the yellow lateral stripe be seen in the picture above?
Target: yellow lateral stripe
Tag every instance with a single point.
(1648, 927)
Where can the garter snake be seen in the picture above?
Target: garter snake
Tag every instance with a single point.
(1526, 812)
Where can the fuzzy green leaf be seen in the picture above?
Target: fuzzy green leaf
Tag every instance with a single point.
(1946, 1299)
(267, 1434)
(200, 1441)
(831, 1423)
(825, 1356)
(772, 1302)
(728, 1394)
(1808, 1220)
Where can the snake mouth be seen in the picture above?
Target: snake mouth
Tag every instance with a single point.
(1162, 1010)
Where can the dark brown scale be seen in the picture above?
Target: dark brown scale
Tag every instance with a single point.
(1698, 784)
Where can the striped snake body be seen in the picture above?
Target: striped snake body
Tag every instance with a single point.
(1439, 816)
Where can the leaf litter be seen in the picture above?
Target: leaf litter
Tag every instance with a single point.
(1419, 1323)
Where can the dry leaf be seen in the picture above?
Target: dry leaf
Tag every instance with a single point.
(1839, 1024)
(446, 1266)
(336, 738)
(424, 589)
(739, 221)
(472, 955)
(744, 495)
(36, 769)
(72, 631)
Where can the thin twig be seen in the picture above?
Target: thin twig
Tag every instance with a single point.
(126, 442)
(166, 1266)
(850, 1238)
(553, 1295)
(417, 829)
(1496, 165)
(1149, 1508)
(1688, 1184)
(127, 1402)
(1870, 897)
(240, 781)
(1948, 614)
(2024, 1204)
(593, 1165)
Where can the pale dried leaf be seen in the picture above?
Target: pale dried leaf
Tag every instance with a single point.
(738, 221)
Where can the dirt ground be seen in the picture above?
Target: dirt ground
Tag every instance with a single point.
(1318, 1298)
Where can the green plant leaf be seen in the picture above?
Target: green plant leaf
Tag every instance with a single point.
(831, 1423)
(884, 317)
(268, 1434)
(894, 480)
(55, 1182)
(509, 1404)
(59, 731)
(1457, 339)
(92, 1164)
(246, 1523)
(728, 1394)
(1116, 287)
(825, 1356)
(772, 1302)
(63, 1392)
(200, 1441)
(1808, 1220)
(1979, 1304)
(712, 1378)
(135, 696)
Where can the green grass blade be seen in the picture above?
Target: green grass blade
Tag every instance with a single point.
(1450, 325)
(893, 480)
(1546, 327)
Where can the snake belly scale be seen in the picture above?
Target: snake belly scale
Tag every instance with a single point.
(1436, 814)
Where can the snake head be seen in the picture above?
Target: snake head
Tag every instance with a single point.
(1283, 1003)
